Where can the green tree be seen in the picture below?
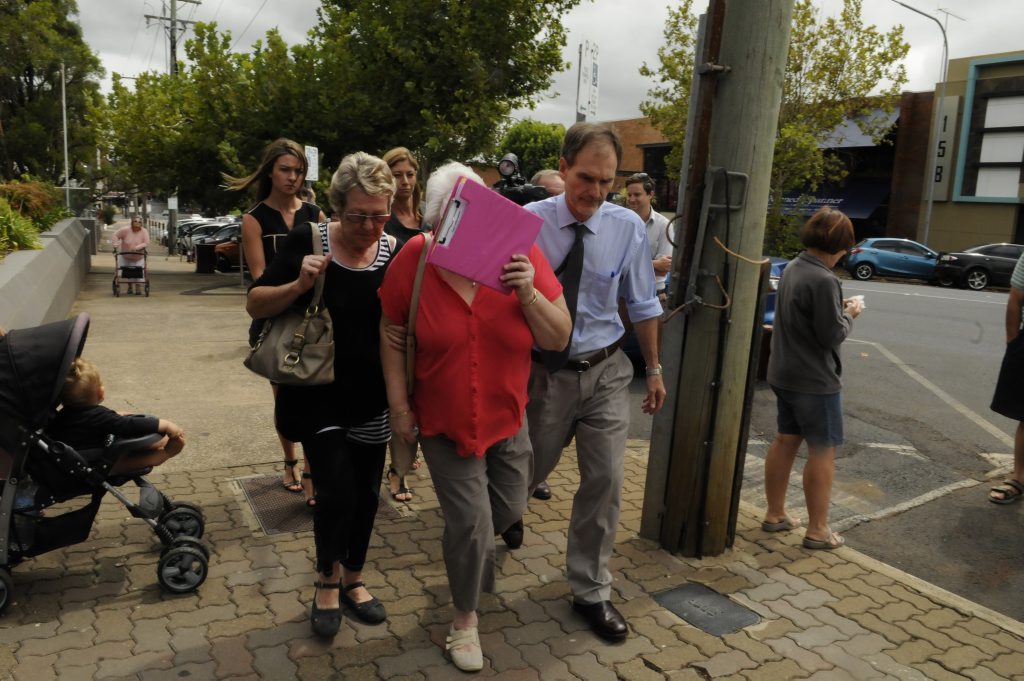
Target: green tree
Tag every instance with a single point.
(437, 77)
(670, 98)
(538, 145)
(837, 68)
(36, 36)
(368, 78)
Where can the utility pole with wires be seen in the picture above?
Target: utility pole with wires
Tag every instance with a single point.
(172, 30)
(172, 22)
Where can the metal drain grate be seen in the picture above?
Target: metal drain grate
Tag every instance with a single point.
(277, 510)
(706, 609)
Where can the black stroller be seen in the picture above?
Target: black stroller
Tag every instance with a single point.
(33, 365)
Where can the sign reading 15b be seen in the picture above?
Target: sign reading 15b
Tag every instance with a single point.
(945, 136)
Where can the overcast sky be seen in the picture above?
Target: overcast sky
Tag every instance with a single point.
(628, 33)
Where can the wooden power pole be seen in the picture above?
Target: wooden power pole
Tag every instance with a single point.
(698, 442)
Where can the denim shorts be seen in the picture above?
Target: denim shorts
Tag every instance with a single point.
(816, 418)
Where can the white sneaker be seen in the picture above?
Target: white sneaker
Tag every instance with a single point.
(463, 646)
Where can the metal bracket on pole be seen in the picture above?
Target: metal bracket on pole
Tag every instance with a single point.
(734, 193)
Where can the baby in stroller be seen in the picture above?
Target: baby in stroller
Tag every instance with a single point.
(85, 424)
(50, 490)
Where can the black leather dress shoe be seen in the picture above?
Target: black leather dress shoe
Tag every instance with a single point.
(604, 619)
(513, 536)
(543, 492)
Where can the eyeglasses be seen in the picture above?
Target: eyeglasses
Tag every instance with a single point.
(360, 218)
(638, 177)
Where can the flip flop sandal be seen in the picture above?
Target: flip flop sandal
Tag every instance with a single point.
(294, 485)
(833, 542)
(1011, 491)
(781, 526)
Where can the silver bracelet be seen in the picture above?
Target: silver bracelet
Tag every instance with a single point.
(654, 371)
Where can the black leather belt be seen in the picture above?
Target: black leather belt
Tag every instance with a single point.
(589, 362)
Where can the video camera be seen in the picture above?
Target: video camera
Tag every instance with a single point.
(513, 186)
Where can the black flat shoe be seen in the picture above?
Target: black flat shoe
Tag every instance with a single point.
(326, 621)
(543, 492)
(370, 612)
(604, 619)
(513, 536)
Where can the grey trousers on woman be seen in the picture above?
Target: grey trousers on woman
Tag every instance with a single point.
(479, 498)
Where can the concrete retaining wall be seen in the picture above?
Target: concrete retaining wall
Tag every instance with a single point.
(37, 287)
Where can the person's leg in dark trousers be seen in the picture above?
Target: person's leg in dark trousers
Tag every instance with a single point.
(345, 473)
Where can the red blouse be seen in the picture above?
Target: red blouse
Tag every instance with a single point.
(472, 362)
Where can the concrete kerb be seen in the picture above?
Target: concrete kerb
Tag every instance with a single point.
(936, 593)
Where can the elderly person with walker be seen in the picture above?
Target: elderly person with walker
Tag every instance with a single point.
(468, 400)
(812, 319)
(343, 426)
(130, 246)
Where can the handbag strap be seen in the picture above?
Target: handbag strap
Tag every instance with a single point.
(315, 304)
(414, 304)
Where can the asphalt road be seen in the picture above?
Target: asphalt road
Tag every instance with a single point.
(910, 487)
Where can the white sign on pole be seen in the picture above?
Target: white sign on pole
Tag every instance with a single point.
(586, 97)
(172, 203)
(312, 164)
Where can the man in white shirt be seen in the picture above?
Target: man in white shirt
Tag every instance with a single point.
(639, 196)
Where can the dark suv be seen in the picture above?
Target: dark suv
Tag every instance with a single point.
(979, 267)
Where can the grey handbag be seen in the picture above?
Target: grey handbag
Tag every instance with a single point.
(297, 347)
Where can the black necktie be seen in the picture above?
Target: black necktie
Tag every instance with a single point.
(569, 273)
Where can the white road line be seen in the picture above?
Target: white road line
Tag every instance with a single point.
(925, 295)
(905, 450)
(970, 415)
(853, 521)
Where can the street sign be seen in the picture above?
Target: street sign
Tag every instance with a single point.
(586, 95)
(312, 164)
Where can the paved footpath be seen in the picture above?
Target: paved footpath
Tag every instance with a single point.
(94, 611)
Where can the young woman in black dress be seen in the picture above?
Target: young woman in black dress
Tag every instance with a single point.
(278, 180)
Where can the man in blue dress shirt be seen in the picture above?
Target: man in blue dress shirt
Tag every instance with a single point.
(586, 395)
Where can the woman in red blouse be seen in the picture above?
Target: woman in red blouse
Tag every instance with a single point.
(468, 402)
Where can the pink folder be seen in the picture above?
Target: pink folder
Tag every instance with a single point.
(479, 233)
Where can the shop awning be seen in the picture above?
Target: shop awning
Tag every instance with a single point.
(858, 199)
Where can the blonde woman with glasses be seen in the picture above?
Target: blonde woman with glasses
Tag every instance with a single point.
(343, 426)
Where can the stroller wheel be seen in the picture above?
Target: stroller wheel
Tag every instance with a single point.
(6, 589)
(182, 569)
(191, 542)
(183, 518)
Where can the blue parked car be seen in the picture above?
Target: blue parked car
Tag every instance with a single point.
(778, 264)
(891, 258)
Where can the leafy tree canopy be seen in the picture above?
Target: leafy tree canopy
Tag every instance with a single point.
(435, 76)
(36, 36)
(837, 68)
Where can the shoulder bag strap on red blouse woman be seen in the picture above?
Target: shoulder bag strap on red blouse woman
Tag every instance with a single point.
(410, 336)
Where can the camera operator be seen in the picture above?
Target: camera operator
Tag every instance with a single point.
(513, 185)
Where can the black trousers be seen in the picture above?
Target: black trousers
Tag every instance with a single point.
(347, 477)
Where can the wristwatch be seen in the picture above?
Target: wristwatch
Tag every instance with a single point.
(654, 371)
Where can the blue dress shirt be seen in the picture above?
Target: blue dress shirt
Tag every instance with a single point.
(616, 264)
